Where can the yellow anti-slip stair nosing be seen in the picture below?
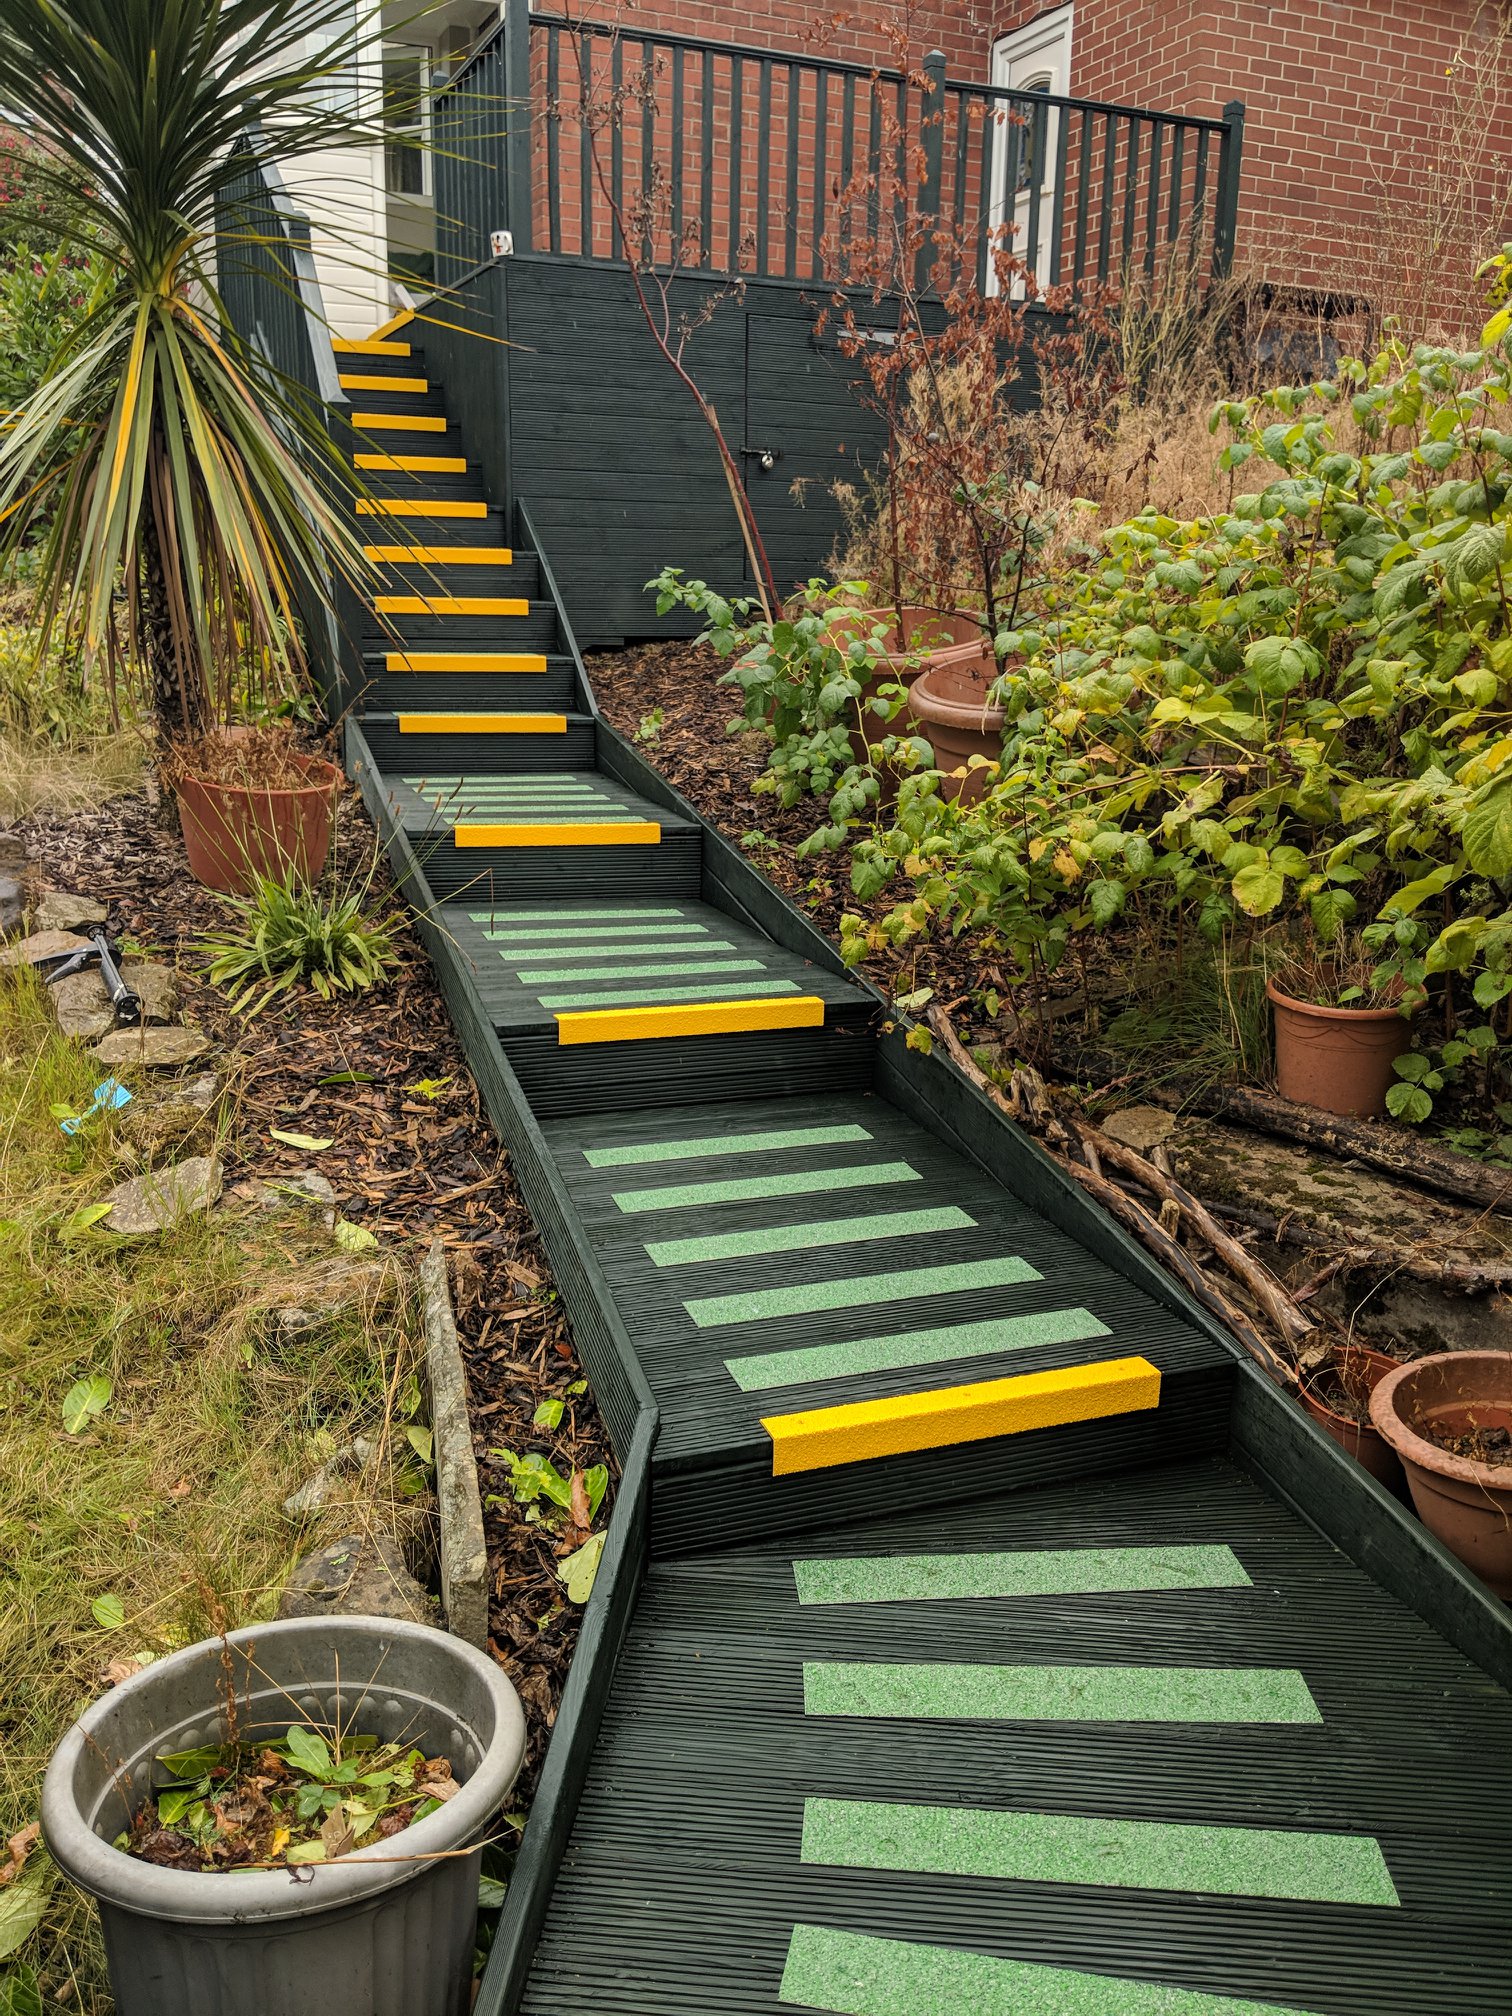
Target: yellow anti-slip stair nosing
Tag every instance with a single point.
(424, 507)
(417, 465)
(451, 605)
(441, 556)
(482, 724)
(368, 346)
(506, 833)
(824, 1437)
(375, 381)
(465, 661)
(401, 423)
(692, 1018)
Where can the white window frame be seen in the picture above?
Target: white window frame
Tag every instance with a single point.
(1040, 50)
(422, 128)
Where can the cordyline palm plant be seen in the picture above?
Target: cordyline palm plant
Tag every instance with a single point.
(156, 461)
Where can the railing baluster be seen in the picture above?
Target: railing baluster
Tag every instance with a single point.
(874, 166)
(1152, 201)
(1199, 185)
(993, 129)
(1110, 169)
(1058, 199)
(585, 146)
(553, 139)
(1131, 193)
(962, 154)
(706, 163)
(648, 152)
(847, 159)
(677, 154)
(902, 165)
(1083, 198)
(763, 164)
(790, 184)
(1035, 137)
(737, 128)
(1178, 183)
(821, 140)
(617, 147)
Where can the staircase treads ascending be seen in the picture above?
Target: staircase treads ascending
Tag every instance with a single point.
(536, 963)
(772, 1256)
(1353, 1863)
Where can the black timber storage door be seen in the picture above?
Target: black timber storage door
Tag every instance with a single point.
(804, 432)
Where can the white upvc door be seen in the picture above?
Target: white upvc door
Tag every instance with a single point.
(1035, 58)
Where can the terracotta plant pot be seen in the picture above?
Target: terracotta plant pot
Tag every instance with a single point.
(953, 640)
(1359, 1371)
(235, 832)
(951, 705)
(1337, 1059)
(1462, 1500)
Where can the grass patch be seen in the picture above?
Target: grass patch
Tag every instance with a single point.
(163, 1509)
(61, 748)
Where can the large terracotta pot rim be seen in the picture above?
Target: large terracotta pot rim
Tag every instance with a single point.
(1415, 1448)
(315, 781)
(982, 716)
(1282, 999)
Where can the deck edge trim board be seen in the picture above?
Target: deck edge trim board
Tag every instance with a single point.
(855, 1974)
(931, 1690)
(806, 1365)
(1049, 1571)
(625, 1025)
(858, 1432)
(1098, 1851)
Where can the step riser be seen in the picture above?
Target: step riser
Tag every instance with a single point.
(535, 632)
(434, 577)
(483, 875)
(561, 1080)
(403, 485)
(417, 755)
(741, 1502)
(420, 526)
(438, 692)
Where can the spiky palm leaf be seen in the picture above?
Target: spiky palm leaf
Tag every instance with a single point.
(159, 458)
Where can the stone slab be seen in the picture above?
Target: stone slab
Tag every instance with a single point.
(464, 1551)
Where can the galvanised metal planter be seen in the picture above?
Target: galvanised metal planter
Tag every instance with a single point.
(385, 1931)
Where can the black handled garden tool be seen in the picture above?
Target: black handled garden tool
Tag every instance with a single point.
(127, 1006)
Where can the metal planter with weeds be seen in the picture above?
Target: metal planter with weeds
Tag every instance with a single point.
(385, 1929)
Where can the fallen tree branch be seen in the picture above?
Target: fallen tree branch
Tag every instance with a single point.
(1029, 1101)
(1394, 1151)
(1463, 1277)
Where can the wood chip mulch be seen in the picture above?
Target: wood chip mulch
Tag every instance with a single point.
(405, 1166)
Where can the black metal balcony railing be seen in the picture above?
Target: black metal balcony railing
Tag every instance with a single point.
(731, 159)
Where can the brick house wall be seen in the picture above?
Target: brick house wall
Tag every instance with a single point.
(1376, 129)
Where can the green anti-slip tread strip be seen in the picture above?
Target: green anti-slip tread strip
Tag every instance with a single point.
(850, 1974)
(673, 969)
(693, 990)
(942, 1691)
(1050, 1571)
(1097, 1850)
(800, 1297)
(745, 1189)
(534, 942)
(712, 1145)
(804, 1238)
(764, 1370)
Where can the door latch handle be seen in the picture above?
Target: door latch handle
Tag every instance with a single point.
(765, 458)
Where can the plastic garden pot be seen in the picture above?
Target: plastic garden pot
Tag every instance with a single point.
(1359, 1370)
(950, 703)
(379, 1932)
(1337, 1059)
(1465, 1502)
(235, 832)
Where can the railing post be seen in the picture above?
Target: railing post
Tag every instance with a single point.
(1226, 207)
(932, 140)
(518, 110)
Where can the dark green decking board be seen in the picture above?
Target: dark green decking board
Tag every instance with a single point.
(684, 1886)
(880, 1301)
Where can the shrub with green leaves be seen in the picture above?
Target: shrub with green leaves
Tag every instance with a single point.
(286, 936)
